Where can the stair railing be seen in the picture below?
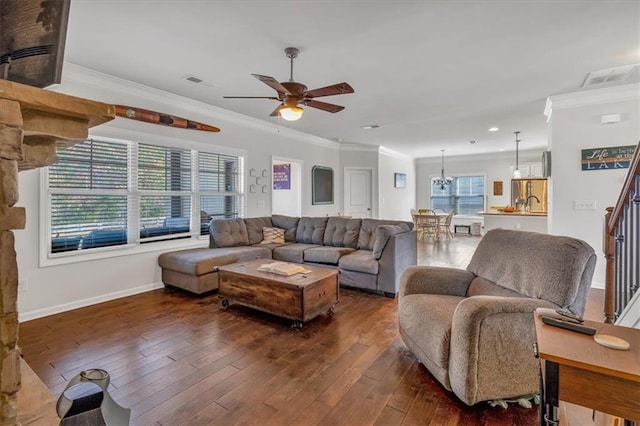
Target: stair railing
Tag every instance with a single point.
(621, 244)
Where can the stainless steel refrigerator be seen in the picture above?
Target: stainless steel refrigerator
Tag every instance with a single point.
(529, 195)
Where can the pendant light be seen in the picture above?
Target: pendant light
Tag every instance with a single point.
(516, 172)
(442, 181)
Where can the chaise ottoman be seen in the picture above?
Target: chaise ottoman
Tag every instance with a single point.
(196, 270)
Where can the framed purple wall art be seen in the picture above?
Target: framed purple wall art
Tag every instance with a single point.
(281, 176)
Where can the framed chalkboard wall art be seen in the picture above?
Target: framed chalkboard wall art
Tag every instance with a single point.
(321, 185)
(613, 157)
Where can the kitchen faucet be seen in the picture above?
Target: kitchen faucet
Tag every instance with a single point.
(527, 204)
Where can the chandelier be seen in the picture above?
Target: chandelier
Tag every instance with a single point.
(442, 181)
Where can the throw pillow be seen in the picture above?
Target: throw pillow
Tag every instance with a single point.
(272, 235)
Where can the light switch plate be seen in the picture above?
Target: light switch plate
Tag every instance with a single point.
(584, 204)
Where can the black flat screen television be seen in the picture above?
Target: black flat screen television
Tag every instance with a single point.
(32, 40)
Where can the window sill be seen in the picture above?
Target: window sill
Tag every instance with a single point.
(47, 260)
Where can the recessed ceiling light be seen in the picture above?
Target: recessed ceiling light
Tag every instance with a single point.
(370, 126)
(501, 149)
(473, 142)
(493, 129)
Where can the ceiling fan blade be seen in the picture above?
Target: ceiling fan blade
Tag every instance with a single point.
(250, 97)
(273, 83)
(324, 106)
(276, 111)
(336, 89)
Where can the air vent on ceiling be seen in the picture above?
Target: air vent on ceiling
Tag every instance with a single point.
(193, 79)
(612, 75)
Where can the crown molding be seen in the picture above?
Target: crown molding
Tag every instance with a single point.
(395, 154)
(628, 92)
(75, 75)
(503, 155)
(358, 147)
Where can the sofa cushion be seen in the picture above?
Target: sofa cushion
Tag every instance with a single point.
(292, 252)
(342, 232)
(288, 223)
(328, 255)
(368, 227)
(272, 235)
(255, 226)
(311, 230)
(201, 261)
(382, 235)
(360, 261)
(229, 233)
(533, 264)
(426, 319)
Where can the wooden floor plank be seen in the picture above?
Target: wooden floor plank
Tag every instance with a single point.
(176, 358)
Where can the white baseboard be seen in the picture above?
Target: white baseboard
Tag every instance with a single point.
(39, 313)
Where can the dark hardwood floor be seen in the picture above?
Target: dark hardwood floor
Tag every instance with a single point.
(179, 359)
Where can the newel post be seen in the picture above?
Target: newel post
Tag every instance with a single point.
(608, 246)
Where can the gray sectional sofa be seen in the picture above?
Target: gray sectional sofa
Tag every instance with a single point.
(369, 253)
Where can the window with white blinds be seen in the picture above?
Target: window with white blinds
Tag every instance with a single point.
(465, 195)
(219, 187)
(113, 193)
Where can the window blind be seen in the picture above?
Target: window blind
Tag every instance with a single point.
(465, 195)
(88, 196)
(110, 193)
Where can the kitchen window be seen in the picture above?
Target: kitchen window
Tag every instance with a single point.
(109, 193)
(465, 195)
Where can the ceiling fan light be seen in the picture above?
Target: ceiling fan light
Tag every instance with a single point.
(291, 113)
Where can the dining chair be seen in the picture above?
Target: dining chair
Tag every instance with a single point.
(444, 228)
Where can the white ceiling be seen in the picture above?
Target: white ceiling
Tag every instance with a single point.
(432, 74)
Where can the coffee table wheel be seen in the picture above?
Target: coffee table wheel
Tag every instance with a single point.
(331, 310)
(224, 303)
(297, 325)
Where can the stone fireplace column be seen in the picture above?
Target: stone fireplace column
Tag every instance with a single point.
(34, 123)
(10, 218)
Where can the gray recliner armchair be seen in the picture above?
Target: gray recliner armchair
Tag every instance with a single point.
(473, 329)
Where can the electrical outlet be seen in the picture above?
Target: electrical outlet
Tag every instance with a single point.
(23, 285)
(584, 204)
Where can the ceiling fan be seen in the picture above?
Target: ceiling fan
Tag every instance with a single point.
(292, 94)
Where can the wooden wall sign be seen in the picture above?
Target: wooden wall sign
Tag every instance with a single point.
(614, 157)
(497, 187)
(161, 118)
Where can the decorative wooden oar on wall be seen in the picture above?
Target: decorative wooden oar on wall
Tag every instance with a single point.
(161, 118)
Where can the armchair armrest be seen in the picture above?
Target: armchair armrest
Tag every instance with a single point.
(435, 280)
(492, 334)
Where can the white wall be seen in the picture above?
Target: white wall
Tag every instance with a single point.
(287, 201)
(395, 203)
(575, 125)
(61, 287)
(495, 167)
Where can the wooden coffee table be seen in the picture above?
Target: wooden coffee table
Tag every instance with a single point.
(298, 297)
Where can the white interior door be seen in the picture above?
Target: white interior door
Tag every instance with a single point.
(286, 189)
(357, 192)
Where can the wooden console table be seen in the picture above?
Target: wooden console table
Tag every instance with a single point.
(580, 371)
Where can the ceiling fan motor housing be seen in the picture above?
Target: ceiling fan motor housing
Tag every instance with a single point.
(291, 52)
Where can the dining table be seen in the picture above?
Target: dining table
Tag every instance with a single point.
(433, 220)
